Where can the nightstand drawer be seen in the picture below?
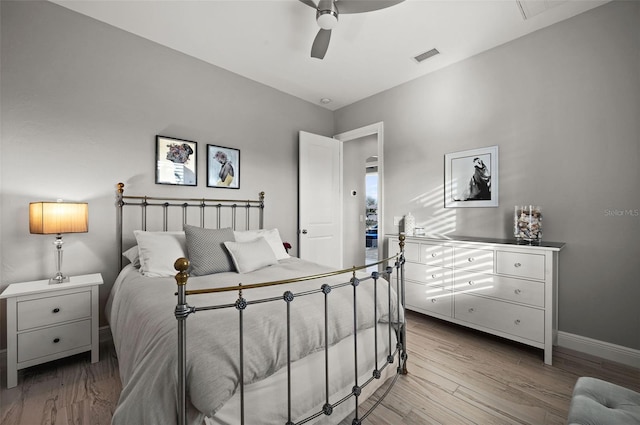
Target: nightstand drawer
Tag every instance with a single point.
(56, 339)
(53, 309)
(521, 264)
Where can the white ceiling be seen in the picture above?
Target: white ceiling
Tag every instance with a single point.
(270, 41)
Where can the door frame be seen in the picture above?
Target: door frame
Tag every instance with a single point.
(378, 130)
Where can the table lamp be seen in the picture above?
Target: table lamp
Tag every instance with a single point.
(47, 218)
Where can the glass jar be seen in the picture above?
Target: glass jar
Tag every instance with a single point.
(527, 223)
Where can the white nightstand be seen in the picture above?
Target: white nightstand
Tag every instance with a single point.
(47, 322)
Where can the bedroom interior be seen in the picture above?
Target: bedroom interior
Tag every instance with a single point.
(87, 99)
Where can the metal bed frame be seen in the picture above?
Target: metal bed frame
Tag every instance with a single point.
(396, 354)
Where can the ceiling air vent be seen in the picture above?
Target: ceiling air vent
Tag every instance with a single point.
(426, 55)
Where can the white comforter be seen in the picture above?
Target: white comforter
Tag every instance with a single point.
(140, 312)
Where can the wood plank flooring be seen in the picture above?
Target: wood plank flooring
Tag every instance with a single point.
(456, 376)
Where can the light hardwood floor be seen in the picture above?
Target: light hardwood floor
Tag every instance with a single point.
(456, 376)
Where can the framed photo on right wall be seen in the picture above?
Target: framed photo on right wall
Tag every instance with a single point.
(471, 178)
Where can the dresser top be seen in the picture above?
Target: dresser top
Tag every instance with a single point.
(555, 246)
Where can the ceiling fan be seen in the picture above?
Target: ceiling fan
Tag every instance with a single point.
(327, 17)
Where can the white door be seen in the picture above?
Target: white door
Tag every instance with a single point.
(319, 200)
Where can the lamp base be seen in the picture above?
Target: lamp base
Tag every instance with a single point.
(56, 280)
(59, 277)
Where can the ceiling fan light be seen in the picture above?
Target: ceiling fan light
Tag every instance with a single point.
(327, 19)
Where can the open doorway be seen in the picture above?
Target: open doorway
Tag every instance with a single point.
(369, 141)
(371, 210)
(356, 220)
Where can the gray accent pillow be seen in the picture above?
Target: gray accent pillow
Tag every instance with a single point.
(206, 250)
(252, 255)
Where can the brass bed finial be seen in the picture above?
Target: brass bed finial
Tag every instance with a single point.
(120, 187)
(181, 265)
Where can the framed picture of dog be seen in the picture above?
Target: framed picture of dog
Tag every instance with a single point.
(176, 161)
(223, 167)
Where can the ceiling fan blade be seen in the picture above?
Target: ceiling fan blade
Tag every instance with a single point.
(321, 44)
(309, 3)
(360, 6)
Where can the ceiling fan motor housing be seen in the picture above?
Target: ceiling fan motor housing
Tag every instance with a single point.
(327, 15)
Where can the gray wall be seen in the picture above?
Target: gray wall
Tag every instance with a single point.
(563, 105)
(81, 104)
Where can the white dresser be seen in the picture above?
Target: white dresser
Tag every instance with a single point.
(493, 285)
(47, 322)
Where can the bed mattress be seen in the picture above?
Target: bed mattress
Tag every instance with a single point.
(144, 328)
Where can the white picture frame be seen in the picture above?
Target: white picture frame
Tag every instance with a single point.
(471, 178)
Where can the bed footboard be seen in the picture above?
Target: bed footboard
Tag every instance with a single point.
(395, 332)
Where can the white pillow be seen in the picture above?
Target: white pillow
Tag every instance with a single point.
(159, 250)
(252, 255)
(272, 237)
(133, 256)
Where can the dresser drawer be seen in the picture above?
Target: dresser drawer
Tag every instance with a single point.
(56, 339)
(521, 264)
(428, 275)
(435, 255)
(53, 309)
(518, 320)
(473, 259)
(504, 288)
(433, 299)
(411, 251)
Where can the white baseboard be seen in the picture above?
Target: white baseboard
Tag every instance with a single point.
(604, 350)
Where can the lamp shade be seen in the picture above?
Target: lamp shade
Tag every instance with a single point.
(58, 217)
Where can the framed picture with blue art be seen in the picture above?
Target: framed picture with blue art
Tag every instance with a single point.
(223, 167)
(176, 161)
(471, 178)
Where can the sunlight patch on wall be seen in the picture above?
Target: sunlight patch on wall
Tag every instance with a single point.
(439, 221)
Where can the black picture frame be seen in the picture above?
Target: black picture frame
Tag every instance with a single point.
(223, 167)
(176, 161)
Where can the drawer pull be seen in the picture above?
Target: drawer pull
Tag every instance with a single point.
(516, 265)
(517, 291)
(517, 322)
(471, 259)
(56, 340)
(433, 300)
(433, 276)
(471, 310)
(56, 310)
(434, 254)
(471, 282)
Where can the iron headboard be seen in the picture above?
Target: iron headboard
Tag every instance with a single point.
(167, 205)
